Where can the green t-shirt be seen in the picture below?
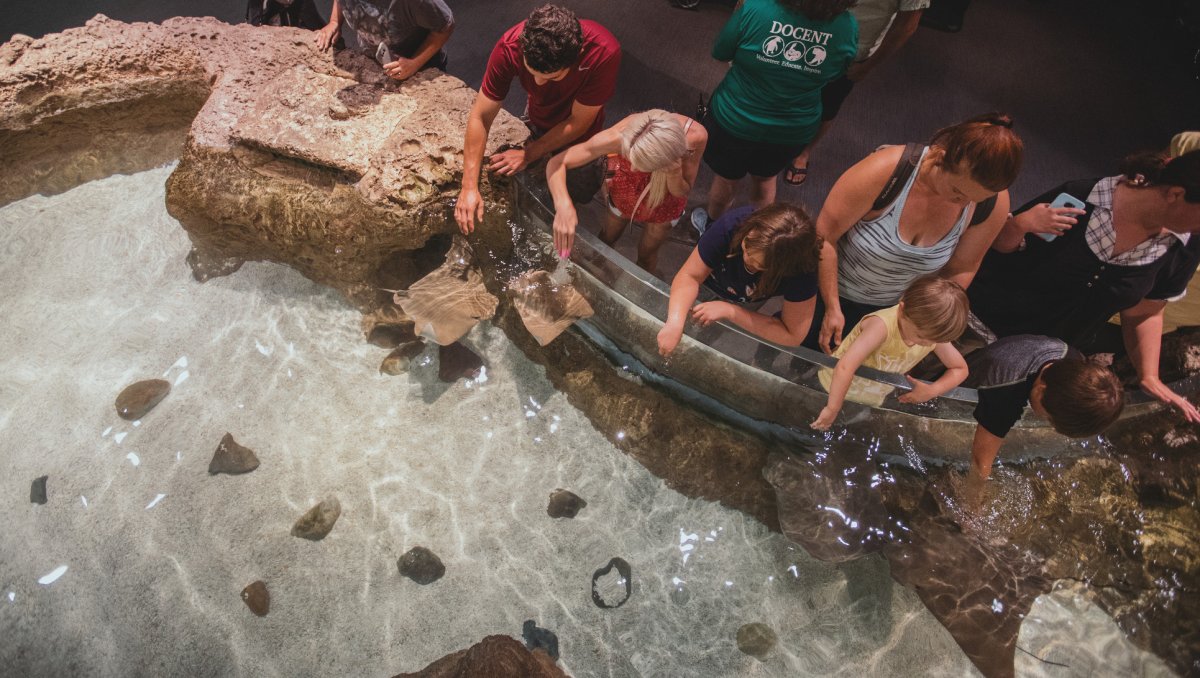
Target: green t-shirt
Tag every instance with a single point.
(781, 59)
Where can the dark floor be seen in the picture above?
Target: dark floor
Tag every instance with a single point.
(1086, 81)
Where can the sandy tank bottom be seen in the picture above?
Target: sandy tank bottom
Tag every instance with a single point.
(156, 551)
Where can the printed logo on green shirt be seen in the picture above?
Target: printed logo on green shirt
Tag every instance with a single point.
(805, 51)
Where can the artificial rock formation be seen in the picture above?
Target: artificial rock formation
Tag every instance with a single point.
(492, 657)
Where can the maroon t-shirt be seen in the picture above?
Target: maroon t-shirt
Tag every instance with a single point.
(591, 81)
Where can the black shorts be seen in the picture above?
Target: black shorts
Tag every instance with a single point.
(732, 158)
(832, 96)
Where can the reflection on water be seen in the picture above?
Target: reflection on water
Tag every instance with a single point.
(99, 297)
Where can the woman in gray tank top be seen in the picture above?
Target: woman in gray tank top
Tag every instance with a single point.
(884, 226)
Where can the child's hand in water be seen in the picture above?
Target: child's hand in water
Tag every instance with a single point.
(920, 392)
(709, 312)
(668, 339)
(825, 419)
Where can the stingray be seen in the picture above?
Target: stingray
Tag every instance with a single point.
(547, 307)
(448, 302)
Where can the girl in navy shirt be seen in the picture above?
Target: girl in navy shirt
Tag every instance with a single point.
(745, 258)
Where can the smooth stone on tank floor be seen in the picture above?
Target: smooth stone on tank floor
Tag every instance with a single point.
(257, 598)
(538, 638)
(421, 565)
(398, 360)
(232, 458)
(756, 640)
(318, 520)
(139, 398)
(37, 490)
(391, 336)
(607, 588)
(564, 504)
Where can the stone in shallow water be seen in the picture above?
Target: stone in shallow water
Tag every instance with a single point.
(139, 398)
(232, 458)
(458, 362)
(607, 590)
(537, 638)
(564, 504)
(397, 361)
(257, 598)
(492, 657)
(547, 307)
(756, 640)
(421, 565)
(37, 491)
(318, 521)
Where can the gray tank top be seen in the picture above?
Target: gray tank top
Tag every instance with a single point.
(875, 265)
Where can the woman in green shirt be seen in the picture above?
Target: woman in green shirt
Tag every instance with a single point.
(768, 106)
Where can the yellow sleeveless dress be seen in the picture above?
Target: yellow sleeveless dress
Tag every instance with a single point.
(892, 356)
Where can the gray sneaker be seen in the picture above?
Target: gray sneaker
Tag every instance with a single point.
(699, 220)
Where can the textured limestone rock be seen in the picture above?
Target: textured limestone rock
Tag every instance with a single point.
(401, 357)
(37, 490)
(232, 458)
(421, 565)
(547, 307)
(756, 640)
(139, 398)
(318, 520)
(564, 504)
(492, 657)
(257, 598)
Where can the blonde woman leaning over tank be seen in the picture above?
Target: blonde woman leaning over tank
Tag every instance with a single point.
(652, 160)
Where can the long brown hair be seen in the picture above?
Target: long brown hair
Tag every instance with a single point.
(788, 239)
(986, 147)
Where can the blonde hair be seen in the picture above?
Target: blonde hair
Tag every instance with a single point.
(652, 141)
(937, 307)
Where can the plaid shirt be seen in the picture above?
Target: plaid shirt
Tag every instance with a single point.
(1102, 235)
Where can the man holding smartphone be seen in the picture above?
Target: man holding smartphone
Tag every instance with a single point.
(405, 36)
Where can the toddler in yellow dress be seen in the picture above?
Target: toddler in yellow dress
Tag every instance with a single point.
(932, 312)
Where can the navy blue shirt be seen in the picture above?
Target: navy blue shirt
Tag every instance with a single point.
(729, 278)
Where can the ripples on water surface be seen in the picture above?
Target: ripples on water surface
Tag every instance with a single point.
(156, 551)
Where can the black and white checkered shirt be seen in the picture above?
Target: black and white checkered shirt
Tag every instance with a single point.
(1102, 235)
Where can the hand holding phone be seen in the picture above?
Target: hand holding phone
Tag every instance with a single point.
(1063, 200)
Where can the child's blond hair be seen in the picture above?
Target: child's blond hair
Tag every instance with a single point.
(937, 307)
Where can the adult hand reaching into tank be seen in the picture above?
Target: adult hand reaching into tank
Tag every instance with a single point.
(508, 162)
(565, 221)
(402, 69)
(468, 209)
(327, 36)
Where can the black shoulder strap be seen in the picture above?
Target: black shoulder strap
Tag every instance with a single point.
(895, 183)
(983, 210)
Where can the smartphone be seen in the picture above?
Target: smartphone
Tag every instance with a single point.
(1063, 200)
(384, 56)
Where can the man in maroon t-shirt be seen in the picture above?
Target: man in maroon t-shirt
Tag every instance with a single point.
(567, 67)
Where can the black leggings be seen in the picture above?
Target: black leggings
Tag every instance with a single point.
(851, 310)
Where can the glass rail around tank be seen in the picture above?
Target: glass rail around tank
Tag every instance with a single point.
(632, 306)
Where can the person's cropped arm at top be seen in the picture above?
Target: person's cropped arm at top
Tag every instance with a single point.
(850, 199)
(329, 35)
(902, 28)
(1141, 328)
(974, 244)
(565, 217)
(479, 124)
(435, 17)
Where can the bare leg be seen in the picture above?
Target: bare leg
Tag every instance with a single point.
(720, 196)
(802, 159)
(762, 191)
(614, 228)
(653, 236)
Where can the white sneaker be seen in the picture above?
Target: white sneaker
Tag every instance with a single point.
(699, 220)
